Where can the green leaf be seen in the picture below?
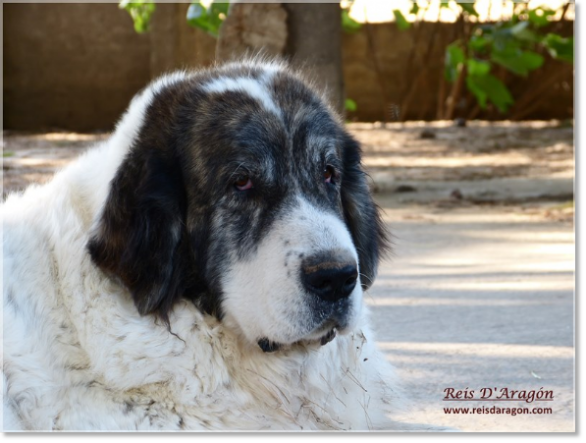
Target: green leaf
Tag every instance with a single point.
(208, 19)
(532, 60)
(478, 67)
(468, 7)
(488, 87)
(503, 39)
(476, 90)
(401, 21)
(454, 58)
(218, 11)
(414, 8)
(479, 43)
(349, 25)
(517, 61)
(197, 17)
(350, 105)
(140, 12)
(522, 32)
(7, 154)
(559, 47)
(539, 16)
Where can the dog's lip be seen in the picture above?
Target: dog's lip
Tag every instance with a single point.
(325, 333)
(328, 337)
(324, 329)
(269, 346)
(324, 338)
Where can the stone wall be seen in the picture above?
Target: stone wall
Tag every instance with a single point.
(76, 66)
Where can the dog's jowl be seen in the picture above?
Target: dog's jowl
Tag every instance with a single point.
(203, 268)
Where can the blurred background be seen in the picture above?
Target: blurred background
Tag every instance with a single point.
(76, 66)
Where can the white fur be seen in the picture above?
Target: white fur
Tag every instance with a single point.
(78, 356)
(253, 88)
(279, 307)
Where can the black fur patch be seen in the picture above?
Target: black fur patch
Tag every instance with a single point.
(173, 215)
(268, 346)
(361, 214)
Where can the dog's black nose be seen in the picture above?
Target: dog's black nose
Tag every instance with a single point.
(330, 280)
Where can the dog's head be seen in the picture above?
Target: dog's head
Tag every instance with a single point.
(243, 192)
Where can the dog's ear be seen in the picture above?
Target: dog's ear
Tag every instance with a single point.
(361, 213)
(141, 236)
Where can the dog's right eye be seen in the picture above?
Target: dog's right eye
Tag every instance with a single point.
(329, 174)
(243, 184)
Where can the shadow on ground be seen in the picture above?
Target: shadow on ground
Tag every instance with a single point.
(473, 298)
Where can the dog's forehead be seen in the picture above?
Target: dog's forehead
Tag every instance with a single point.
(266, 107)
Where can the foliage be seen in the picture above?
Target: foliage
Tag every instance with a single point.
(140, 11)
(208, 19)
(350, 105)
(400, 20)
(349, 25)
(512, 44)
(198, 16)
(474, 60)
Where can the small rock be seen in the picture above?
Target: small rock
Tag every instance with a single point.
(456, 195)
(460, 122)
(405, 188)
(427, 133)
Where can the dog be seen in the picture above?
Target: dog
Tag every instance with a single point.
(201, 269)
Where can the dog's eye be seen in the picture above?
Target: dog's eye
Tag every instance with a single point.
(329, 174)
(243, 184)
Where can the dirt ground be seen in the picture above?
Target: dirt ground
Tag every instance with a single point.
(478, 289)
(475, 297)
(394, 154)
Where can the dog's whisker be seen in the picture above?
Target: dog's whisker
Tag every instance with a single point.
(365, 276)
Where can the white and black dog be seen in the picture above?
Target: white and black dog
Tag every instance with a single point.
(203, 268)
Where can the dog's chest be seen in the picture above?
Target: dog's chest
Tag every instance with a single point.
(203, 378)
(109, 368)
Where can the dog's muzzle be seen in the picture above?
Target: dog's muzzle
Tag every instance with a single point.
(329, 278)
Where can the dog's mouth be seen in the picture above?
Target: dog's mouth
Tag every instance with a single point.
(270, 346)
(328, 337)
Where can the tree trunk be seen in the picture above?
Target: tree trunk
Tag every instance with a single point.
(250, 28)
(314, 45)
(308, 35)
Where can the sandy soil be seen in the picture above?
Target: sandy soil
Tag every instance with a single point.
(475, 297)
(481, 150)
(419, 151)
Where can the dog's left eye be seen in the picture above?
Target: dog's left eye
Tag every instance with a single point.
(329, 174)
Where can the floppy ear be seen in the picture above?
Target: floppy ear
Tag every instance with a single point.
(361, 213)
(141, 236)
